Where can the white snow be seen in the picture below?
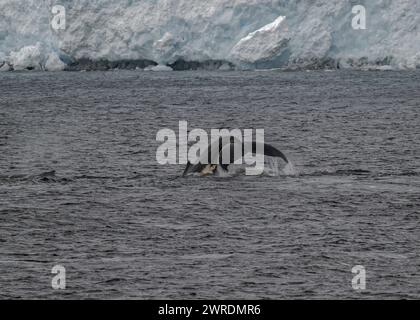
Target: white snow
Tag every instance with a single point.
(249, 32)
(27, 57)
(269, 28)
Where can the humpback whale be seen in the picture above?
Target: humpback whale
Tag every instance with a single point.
(209, 162)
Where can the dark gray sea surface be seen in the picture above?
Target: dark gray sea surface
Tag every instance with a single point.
(80, 186)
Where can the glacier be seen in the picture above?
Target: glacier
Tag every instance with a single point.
(246, 34)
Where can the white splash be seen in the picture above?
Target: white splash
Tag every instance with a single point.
(290, 170)
(271, 167)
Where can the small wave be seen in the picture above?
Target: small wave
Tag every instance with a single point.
(360, 173)
(410, 173)
(340, 172)
(44, 177)
(89, 177)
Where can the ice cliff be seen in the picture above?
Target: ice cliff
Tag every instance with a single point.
(244, 33)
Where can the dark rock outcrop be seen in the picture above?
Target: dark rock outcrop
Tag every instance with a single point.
(104, 65)
(210, 65)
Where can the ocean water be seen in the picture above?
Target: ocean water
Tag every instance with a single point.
(80, 186)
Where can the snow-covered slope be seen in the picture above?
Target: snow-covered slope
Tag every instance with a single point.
(249, 33)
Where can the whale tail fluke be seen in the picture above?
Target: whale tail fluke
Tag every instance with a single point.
(187, 167)
(215, 160)
(271, 151)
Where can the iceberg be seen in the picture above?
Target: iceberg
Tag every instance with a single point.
(159, 67)
(54, 63)
(193, 33)
(29, 57)
(34, 57)
(4, 66)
